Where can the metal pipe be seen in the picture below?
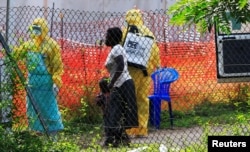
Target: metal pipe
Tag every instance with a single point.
(51, 26)
(7, 21)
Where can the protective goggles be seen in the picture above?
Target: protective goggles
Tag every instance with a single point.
(35, 29)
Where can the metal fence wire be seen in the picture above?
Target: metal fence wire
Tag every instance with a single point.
(208, 98)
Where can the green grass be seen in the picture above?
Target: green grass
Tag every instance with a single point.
(81, 136)
(208, 113)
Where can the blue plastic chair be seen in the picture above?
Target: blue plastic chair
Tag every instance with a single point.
(162, 79)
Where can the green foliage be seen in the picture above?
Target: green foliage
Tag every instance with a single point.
(241, 101)
(92, 112)
(210, 113)
(86, 113)
(19, 141)
(5, 90)
(195, 148)
(29, 142)
(206, 108)
(61, 146)
(206, 14)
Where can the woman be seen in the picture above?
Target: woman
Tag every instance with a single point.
(121, 111)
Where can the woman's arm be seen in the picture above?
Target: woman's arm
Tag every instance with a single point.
(119, 69)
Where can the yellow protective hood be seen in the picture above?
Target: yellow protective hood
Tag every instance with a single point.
(134, 17)
(44, 26)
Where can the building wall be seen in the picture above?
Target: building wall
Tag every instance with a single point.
(96, 5)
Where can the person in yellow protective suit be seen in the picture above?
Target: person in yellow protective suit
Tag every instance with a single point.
(44, 65)
(142, 82)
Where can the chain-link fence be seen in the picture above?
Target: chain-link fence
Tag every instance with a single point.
(205, 101)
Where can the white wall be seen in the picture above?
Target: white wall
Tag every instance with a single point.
(94, 5)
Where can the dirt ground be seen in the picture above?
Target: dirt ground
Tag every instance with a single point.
(175, 138)
(178, 138)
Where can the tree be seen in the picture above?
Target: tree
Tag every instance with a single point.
(206, 14)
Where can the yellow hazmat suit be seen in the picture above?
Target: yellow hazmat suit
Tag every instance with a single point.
(44, 66)
(47, 46)
(142, 82)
